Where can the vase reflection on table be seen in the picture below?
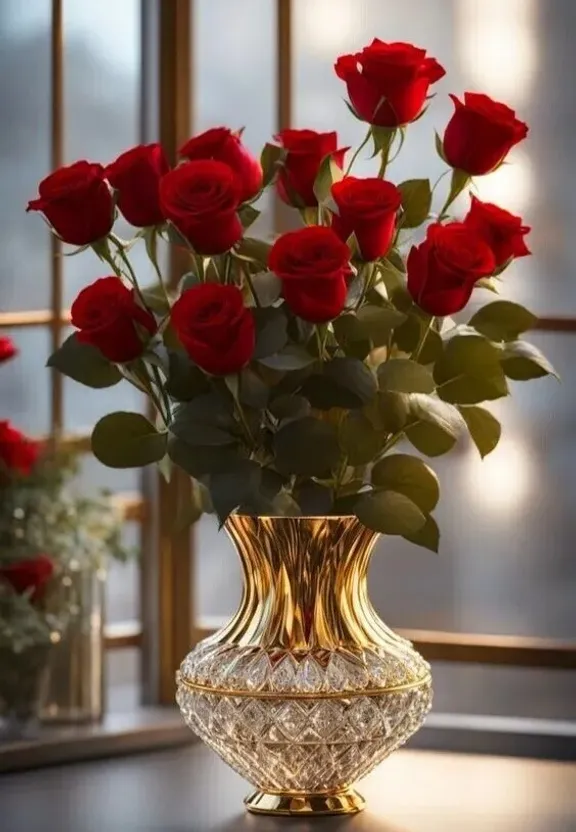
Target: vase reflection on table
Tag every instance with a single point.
(306, 690)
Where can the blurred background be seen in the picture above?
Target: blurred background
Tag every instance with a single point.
(506, 566)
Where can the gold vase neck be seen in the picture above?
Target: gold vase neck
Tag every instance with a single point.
(305, 585)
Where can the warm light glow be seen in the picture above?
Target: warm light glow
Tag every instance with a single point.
(502, 480)
(328, 26)
(511, 186)
(497, 47)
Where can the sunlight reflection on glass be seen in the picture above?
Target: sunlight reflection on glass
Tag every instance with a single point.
(497, 46)
(511, 186)
(502, 480)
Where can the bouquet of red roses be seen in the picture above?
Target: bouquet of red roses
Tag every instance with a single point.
(285, 373)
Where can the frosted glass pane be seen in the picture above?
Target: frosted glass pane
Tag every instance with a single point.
(25, 381)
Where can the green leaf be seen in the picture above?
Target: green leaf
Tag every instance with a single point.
(460, 180)
(410, 476)
(230, 489)
(254, 250)
(307, 447)
(395, 258)
(248, 215)
(198, 461)
(344, 382)
(315, 500)
(185, 380)
(432, 410)
(439, 146)
(271, 157)
(188, 281)
(253, 391)
(206, 420)
(522, 361)
(286, 408)
(428, 536)
(469, 371)
(155, 299)
(84, 363)
(292, 357)
(127, 440)
(351, 337)
(429, 439)
(267, 286)
(271, 332)
(394, 279)
(377, 322)
(401, 375)
(388, 412)
(359, 440)
(502, 320)
(328, 173)
(389, 512)
(408, 336)
(352, 110)
(484, 428)
(416, 202)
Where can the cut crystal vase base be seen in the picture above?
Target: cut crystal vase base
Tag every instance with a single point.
(345, 802)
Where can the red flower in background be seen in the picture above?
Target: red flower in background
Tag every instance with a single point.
(388, 82)
(77, 202)
(501, 230)
(30, 575)
(367, 208)
(223, 145)
(202, 198)
(107, 316)
(7, 349)
(313, 264)
(481, 133)
(136, 176)
(443, 270)
(18, 453)
(305, 150)
(215, 328)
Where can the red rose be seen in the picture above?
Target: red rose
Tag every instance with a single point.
(388, 82)
(77, 203)
(222, 144)
(215, 328)
(305, 151)
(108, 317)
(367, 208)
(29, 575)
(201, 198)
(481, 133)
(443, 269)
(18, 453)
(313, 264)
(136, 176)
(7, 349)
(500, 229)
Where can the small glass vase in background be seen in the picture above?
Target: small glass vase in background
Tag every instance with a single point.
(21, 679)
(73, 687)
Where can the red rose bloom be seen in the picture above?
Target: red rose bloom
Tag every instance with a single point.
(388, 82)
(28, 575)
(443, 269)
(215, 328)
(201, 198)
(136, 176)
(481, 133)
(77, 203)
(305, 150)
(224, 145)
(500, 229)
(7, 349)
(313, 264)
(367, 208)
(18, 453)
(107, 316)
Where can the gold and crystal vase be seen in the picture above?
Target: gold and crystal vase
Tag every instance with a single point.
(306, 690)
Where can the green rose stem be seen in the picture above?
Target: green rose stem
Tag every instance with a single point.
(460, 179)
(246, 275)
(358, 151)
(151, 242)
(385, 153)
(420, 346)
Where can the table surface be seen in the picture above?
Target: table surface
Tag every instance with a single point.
(190, 790)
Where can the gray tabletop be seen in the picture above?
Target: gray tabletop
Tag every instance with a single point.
(190, 790)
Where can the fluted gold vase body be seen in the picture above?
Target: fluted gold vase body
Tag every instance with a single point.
(306, 690)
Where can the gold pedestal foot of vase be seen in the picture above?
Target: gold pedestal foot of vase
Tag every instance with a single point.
(345, 802)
